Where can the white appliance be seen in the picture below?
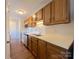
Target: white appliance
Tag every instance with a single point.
(24, 39)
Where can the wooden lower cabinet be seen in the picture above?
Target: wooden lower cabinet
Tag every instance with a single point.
(54, 52)
(44, 50)
(41, 49)
(34, 46)
(29, 43)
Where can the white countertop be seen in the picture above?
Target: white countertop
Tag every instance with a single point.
(63, 41)
(61, 35)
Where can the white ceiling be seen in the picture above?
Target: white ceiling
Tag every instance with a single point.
(30, 6)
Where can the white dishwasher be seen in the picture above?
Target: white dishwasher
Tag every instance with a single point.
(24, 39)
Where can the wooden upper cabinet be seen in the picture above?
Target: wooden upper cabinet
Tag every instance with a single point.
(31, 22)
(58, 11)
(52, 12)
(47, 14)
(28, 21)
(39, 15)
(43, 14)
(61, 11)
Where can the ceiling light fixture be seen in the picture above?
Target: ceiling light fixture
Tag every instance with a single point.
(20, 11)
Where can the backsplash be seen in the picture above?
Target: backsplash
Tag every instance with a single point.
(65, 29)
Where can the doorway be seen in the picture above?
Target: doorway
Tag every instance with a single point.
(14, 30)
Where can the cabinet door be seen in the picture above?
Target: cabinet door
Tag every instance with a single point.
(34, 46)
(61, 11)
(54, 52)
(39, 15)
(43, 14)
(47, 15)
(29, 42)
(53, 12)
(41, 49)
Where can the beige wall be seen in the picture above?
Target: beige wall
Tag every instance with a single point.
(22, 25)
(12, 25)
